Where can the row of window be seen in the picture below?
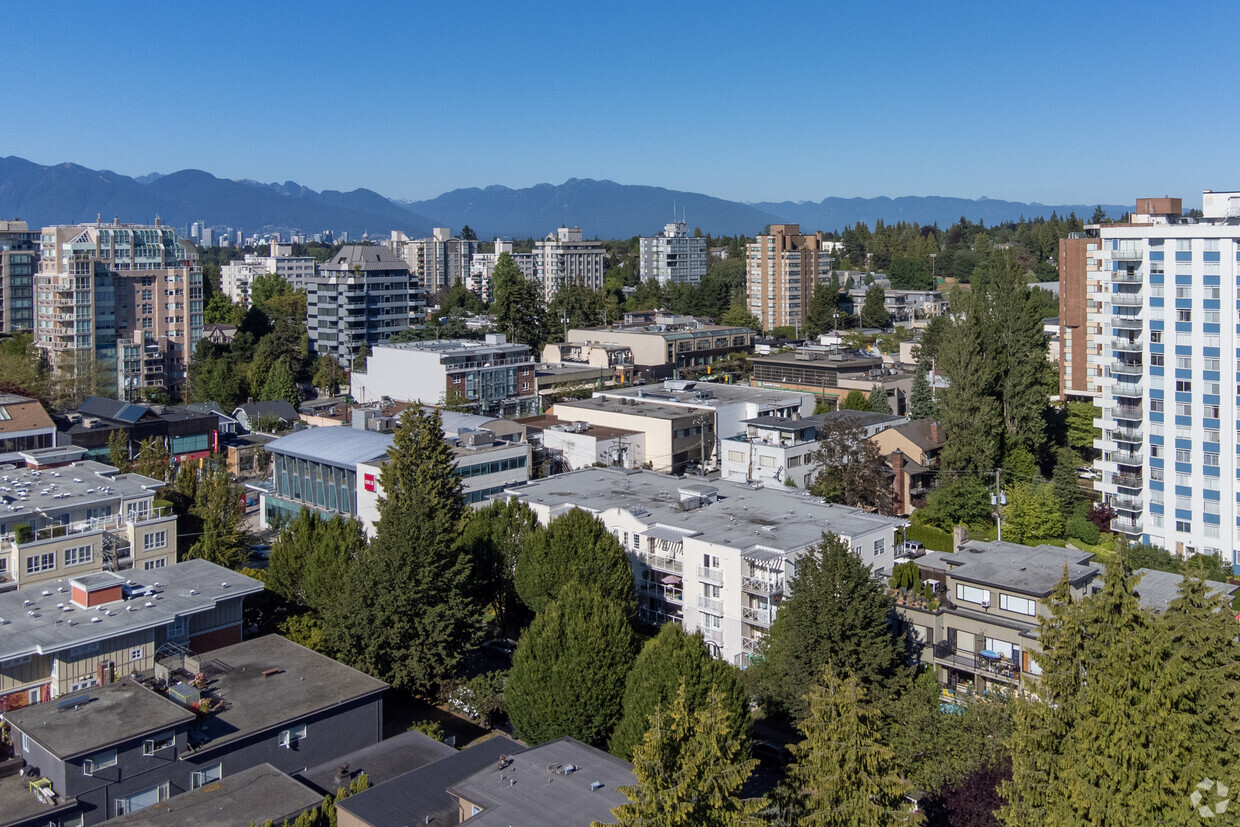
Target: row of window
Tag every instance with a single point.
(1007, 602)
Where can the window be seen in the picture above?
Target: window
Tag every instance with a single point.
(1156, 359)
(766, 462)
(154, 564)
(736, 456)
(879, 547)
(971, 594)
(291, 736)
(1184, 362)
(78, 555)
(141, 800)
(99, 761)
(154, 540)
(1183, 526)
(36, 563)
(164, 740)
(206, 776)
(25, 742)
(1156, 405)
(1183, 314)
(136, 653)
(1209, 459)
(1183, 386)
(1184, 456)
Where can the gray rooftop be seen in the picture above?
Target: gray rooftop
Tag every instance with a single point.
(254, 703)
(39, 619)
(862, 418)
(644, 407)
(333, 445)
(1157, 589)
(381, 762)
(17, 803)
(106, 715)
(709, 394)
(256, 795)
(1031, 570)
(742, 517)
(25, 492)
(544, 793)
(365, 256)
(411, 798)
(457, 347)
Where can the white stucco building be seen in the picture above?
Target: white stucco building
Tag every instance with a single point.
(673, 256)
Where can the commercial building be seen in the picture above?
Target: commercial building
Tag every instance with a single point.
(1171, 358)
(236, 277)
(19, 261)
(782, 270)
(65, 635)
(711, 557)
(124, 300)
(981, 632)
(658, 349)
(563, 257)
(81, 518)
(1081, 281)
(361, 296)
(675, 438)
(572, 446)
(494, 376)
(121, 747)
(187, 434)
(831, 374)
(673, 256)
(437, 262)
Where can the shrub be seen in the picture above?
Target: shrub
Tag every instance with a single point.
(1082, 529)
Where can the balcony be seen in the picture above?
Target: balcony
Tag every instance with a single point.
(713, 635)
(757, 585)
(1125, 457)
(1123, 344)
(1128, 480)
(1127, 255)
(1127, 300)
(1124, 277)
(1126, 503)
(758, 617)
(1127, 323)
(750, 644)
(1126, 435)
(710, 575)
(1128, 413)
(1122, 526)
(964, 661)
(1128, 390)
(658, 561)
(1128, 367)
(707, 604)
(658, 618)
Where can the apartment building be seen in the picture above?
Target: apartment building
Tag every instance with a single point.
(103, 285)
(714, 557)
(564, 257)
(494, 376)
(482, 266)
(77, 519)
(1081, 281)
(673, 256)
(121, 747)
(661, 346)
(782, 269)
(24, 427)
(1170, 360)
(437, 262)
(361, 296)
(237, 277)
(981, 632)
(19, 261)
(675, 438)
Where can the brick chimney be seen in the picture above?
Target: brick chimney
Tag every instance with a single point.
(934, 431)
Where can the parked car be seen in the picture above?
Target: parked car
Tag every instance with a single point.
(1085, 472)
(503, 648)
(910, 548)
(770, 752)
(262, 551)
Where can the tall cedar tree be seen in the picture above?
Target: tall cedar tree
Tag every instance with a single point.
(217, 503)
(850, 469)
(493, 538)
(823, 303)
(921, 398)
(873, 312)
(668, 661)
(969, 414)
(1134, 710)
(879, 401)
(1063, 480)
(420, 465)
(404, 614)
(839, 612)
(690, 768)
(518, 304)
(575, 548)
(843, 772)
(312, 557)
(569, 669)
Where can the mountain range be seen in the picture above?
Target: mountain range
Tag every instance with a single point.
(68, 194)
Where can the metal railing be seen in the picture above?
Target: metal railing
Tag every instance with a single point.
(710, 605)
(662, 563)
(1128, 480)
(711, 575)
(1126, 345)
(758, 617)
(1126, 526)
(757, 585)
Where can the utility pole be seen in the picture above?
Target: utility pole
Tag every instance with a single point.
(998, 500)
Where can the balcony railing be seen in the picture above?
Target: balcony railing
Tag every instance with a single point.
(711, 575)
(1125, 503)
(750, 644)
(1127, 299)
(1127, 255)
(662, 563)
(1128, 389)
(1127, 435)
(1124, 277)
(1129, 412)
(759, 586)
(758, 617)
(708, 604)
(1126, 526)
(1128, 368)
(715, 635)
(1128, 480)
(111, 523)
(1127, 322)
(1125, 457)
(1003, 668)
(1123, 344)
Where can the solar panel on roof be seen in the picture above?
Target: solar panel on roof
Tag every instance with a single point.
(130, 413)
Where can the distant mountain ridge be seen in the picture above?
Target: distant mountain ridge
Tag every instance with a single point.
(69, 193)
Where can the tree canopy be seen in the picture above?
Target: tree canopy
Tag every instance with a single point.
(574, 548)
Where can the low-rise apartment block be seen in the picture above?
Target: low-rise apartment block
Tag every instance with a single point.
(661, 348)
(714, 557)
(24, 426)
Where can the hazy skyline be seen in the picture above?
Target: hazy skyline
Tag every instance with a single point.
(1056, 103)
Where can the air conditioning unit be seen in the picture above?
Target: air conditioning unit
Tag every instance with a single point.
(985, 604)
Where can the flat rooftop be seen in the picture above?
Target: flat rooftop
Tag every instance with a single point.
(40, 620)
(104, 716)
(547, 791)
(744, 517)
(25, 493)
(1157, 589)
(645, 407)
(257, 795)
(1031, 570)
(18, 803)
(709, 394)
(844, 361)
(381, 762)
(457, 347)
(254, 702)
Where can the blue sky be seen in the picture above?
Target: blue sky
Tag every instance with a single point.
(1051, 102)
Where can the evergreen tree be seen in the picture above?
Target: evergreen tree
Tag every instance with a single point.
(492, 539)
(843, 772)
(359, 360)
(279, 384)
(569, 669)
(823, 304)
(968, 413)
(518, 304)
(879, 403)
(1063, 480)
(838, 612)
(574, 548)
(420, 464)
(152, 460)
(404, 613)
(669, 660)
(921, 397)
(328, 375)
(873, 312)
(690, 769)
(856, 400)
(217, 504)
(118, 449)
(312, 557)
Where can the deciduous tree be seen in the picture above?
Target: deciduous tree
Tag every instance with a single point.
(850, 469)
(217, 504)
